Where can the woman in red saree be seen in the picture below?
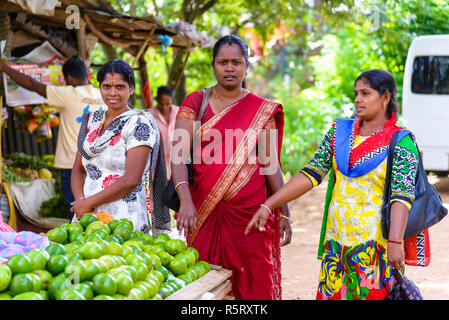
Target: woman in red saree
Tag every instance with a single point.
(230, 179)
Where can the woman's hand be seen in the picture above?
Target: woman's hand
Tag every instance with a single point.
(285, 230)
(258, 221)
(395, 255)
(80, 207)
(398, 221)
(187, 217)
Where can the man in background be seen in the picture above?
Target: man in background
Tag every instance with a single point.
(165, 115)
(74, 100)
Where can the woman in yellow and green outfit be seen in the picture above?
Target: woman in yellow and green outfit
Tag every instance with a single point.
(356, 258)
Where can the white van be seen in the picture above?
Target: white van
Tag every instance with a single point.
(425, 100)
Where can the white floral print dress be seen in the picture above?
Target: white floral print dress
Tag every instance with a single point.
(104, 158)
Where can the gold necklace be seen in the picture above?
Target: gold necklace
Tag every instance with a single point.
(104, 121)
(218, 99)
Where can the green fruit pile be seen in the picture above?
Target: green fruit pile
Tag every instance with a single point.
(92, 260)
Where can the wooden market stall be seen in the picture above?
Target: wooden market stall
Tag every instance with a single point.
(214, 285)
(73, 28)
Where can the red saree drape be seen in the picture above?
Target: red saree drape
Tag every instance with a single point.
(227, 193)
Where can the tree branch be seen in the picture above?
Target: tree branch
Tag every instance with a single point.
(207, 6)
(156, 8)
(240, 25)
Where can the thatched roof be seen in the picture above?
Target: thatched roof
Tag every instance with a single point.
(99, 18)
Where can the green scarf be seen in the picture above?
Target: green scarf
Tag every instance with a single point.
(330, 187)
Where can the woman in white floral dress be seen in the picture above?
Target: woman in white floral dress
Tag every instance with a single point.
(119, 152)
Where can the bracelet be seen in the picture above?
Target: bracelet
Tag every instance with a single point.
(264, 206)
(288, 218)
(393, 241)
(179, 183)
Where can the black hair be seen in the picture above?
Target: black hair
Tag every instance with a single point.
(120, 67)
(76, 68)
(382, 81)
(165, 90)
(230, 39)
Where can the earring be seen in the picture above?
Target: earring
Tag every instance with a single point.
(384, 105)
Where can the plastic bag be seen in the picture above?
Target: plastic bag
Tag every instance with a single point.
(43, 132)
(28, 197)
(3, 226)
(12, 243)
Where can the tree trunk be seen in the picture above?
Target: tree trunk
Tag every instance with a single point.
(191, 10)
(109, 51)
(175, 72)
(181, 92)
(132, 8)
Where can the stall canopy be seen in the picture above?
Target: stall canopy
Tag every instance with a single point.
(71, 25)
(72, 28)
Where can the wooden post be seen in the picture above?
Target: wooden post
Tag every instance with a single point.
(144, 47)
(4, 186)
(81, 41)
(1, 155)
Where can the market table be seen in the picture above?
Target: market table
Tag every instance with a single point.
(214, 285)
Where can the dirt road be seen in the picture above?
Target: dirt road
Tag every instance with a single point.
(300, 266)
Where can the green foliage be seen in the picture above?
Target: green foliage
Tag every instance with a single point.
(54, 207)
(312, 69)
(10, 176)
(24, 161)
(304, 113)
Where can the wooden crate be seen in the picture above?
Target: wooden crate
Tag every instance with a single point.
(214, 285)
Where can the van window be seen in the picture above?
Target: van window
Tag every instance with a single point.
(431, 75)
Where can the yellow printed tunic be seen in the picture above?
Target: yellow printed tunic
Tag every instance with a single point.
(354, 260)
(354, 212)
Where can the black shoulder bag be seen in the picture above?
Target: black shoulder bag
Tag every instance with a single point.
(170, 196)
(426, 210)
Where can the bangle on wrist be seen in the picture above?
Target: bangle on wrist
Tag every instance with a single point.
(394, 241)
(288, 218)
(266, 207)
(179, 183)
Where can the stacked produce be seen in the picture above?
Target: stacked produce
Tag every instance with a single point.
(94, 260)
(11, 175)
(21, 167)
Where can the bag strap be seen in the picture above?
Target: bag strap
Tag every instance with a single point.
(393, 142)
(197, 123)
(204, 103)
(387, 189)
